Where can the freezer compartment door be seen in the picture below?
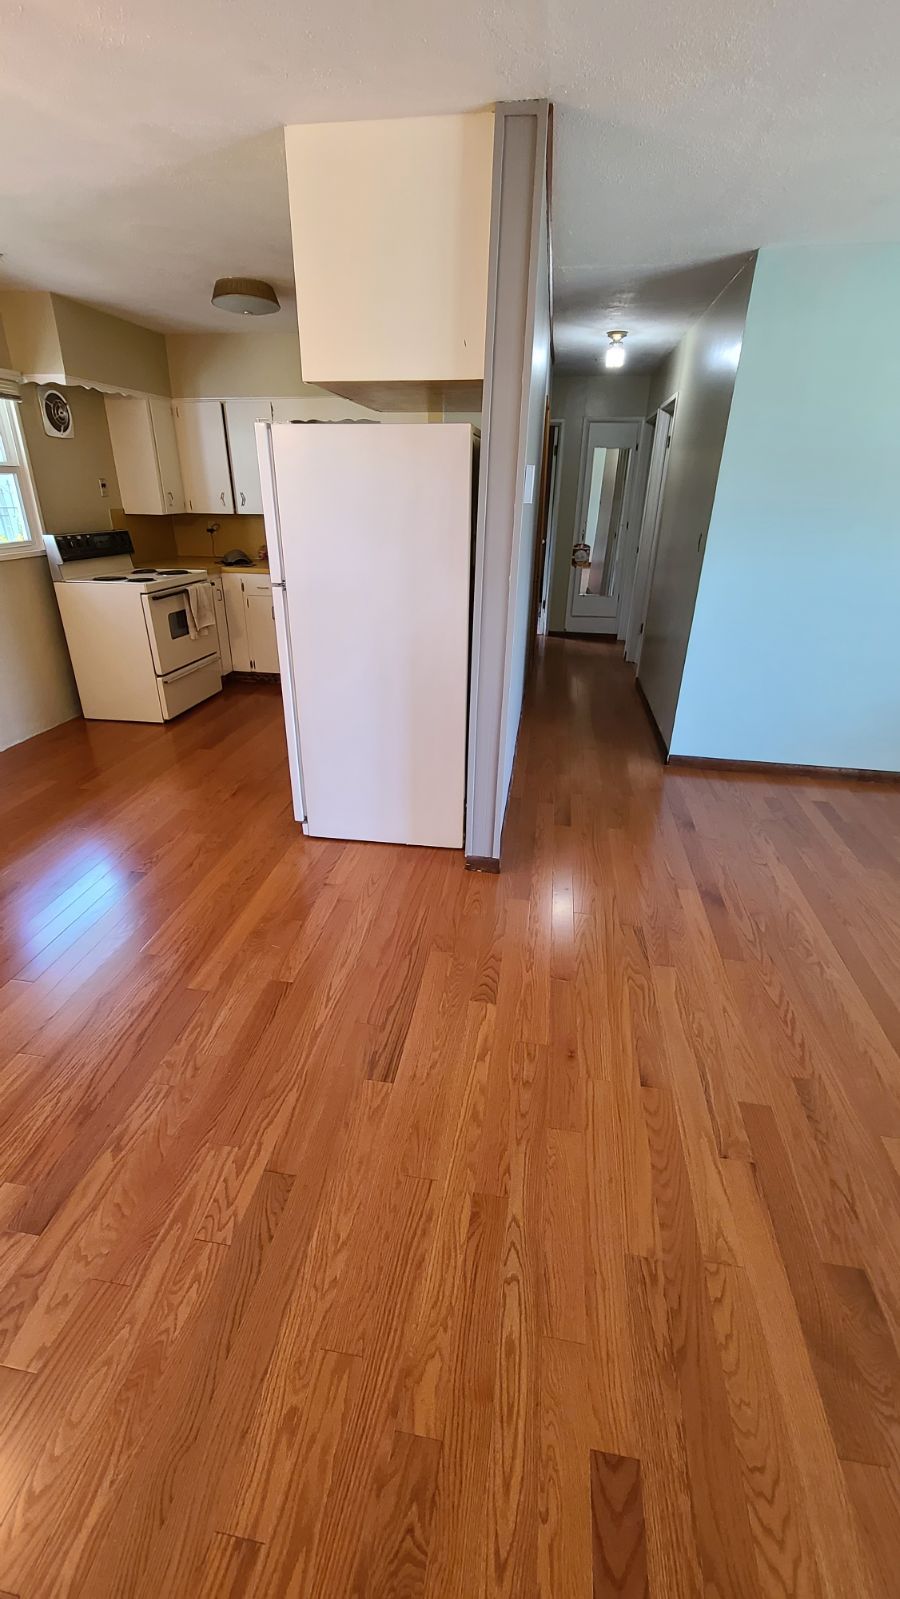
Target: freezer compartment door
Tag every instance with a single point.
(375, 549)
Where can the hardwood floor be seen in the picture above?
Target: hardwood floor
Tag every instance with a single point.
(377, 1229)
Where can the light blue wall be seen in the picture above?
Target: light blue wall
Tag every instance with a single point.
(794, 652)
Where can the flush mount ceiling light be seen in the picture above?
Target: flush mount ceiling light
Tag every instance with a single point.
(245, 296)
(615, 353)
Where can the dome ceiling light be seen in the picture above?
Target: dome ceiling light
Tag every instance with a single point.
(615, 353)
(245, 296)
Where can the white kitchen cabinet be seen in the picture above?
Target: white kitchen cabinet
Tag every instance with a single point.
(411, 198)
(218, 594)
(167, 454)
(203, 452)
(261, 632)
(251, 623)
(241, 417)
(236, 618)
(142, 434)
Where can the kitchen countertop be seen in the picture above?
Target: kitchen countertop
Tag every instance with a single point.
(217, 567)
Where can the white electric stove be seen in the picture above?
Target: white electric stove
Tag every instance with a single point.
(141, 648)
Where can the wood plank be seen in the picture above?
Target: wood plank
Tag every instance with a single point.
(403, 1231)
(617, 1521)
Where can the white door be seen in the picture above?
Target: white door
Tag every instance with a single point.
(200, 431)
(649, 534)
(608, 450)
(261, 640)
(241, 417)
(236, 618)
(376, 534)
(167, 455)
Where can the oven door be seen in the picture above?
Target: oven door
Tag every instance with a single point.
(169, 630)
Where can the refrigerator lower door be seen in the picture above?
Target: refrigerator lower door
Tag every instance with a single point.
(375, 547)
(280, 613)
(289, 700)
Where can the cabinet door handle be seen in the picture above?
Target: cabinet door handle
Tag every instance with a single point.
(170, 497)
(222, 496)
(243, 498)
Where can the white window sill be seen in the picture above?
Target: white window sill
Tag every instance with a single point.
(12, 553)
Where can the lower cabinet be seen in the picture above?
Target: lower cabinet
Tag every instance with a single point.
(236, 618)
(251, 621)
(218, 594)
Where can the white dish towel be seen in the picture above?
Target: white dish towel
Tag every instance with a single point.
(200, 612)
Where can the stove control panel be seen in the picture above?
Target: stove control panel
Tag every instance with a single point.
(92, 546)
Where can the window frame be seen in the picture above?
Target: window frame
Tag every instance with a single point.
(19, 467)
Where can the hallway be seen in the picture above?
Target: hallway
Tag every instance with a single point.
(376, 1228)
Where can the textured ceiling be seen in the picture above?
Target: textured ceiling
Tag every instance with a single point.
(142, 151)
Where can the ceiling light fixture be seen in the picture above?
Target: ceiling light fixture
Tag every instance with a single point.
(615, 352)
(245, 296)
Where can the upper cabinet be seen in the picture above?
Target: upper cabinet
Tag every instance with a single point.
(241, 417)
(200, 431)
(411, 199)
(142, 434)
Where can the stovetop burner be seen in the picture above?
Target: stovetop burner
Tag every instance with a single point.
(111, 577)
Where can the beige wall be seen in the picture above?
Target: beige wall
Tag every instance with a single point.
(37, 688)
(6, 360)
(67, 471)
(577, 398)
(247, 533)
(100, 348)
(52, 337)
(391, 228)
(36, 685)
(232, 365)
(701, 371)
(31, 332)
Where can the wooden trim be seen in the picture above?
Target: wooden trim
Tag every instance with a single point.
(482, 863)
(860, 774)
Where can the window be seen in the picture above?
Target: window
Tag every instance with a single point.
(20, 522)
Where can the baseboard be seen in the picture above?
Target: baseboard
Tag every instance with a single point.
(861, 774)
(591, 638)
(482, 863)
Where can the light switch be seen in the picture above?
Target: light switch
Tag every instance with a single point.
(529, 485)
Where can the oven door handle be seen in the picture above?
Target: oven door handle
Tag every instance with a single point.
(170, 594)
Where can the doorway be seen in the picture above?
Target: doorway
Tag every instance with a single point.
(606, 486)
(662, 424)
(554, 455)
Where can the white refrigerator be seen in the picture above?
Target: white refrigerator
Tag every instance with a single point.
(369, 533)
